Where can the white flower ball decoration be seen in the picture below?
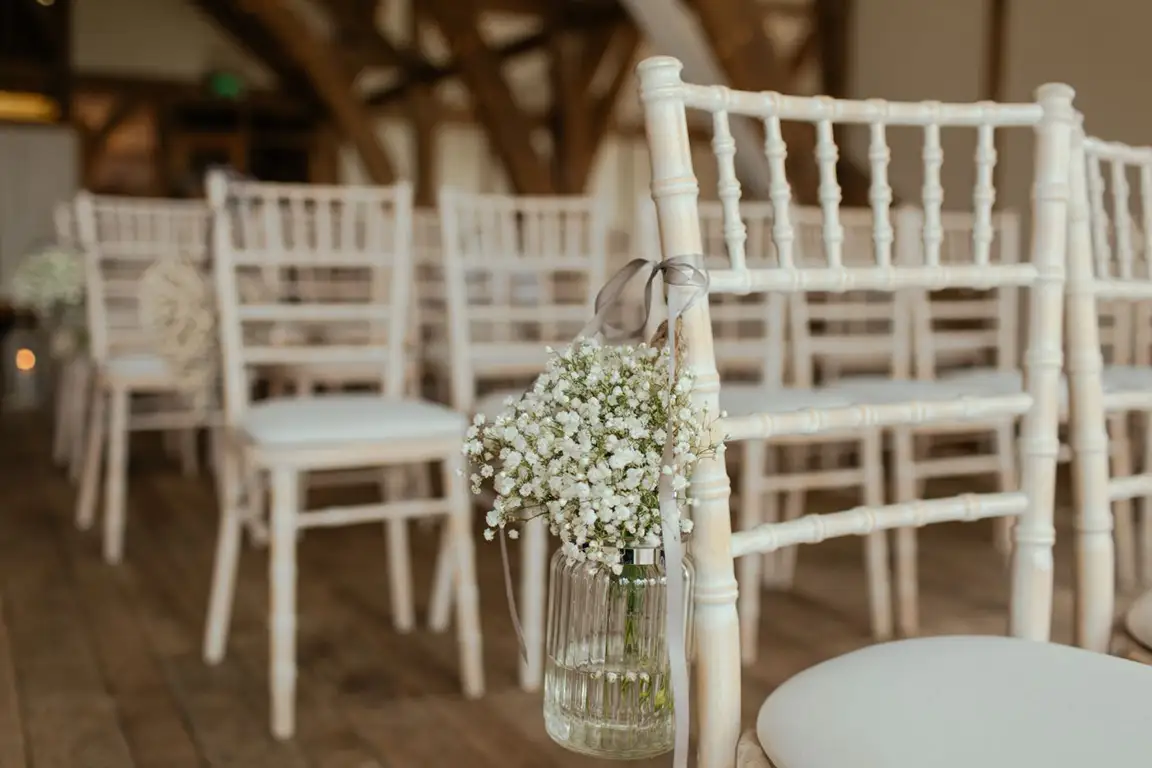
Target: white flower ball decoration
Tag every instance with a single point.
(584, 448)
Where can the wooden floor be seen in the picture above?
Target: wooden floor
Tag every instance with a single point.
(100, 666)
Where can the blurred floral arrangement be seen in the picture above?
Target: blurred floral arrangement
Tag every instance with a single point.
(50, 281)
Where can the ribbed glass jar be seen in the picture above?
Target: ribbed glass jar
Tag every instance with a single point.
(607, 691)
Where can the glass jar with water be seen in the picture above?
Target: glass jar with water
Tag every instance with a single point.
(607, 691)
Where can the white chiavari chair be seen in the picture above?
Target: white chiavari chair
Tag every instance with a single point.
(946, 353)
(121, 238)
(71, 407)
(519, 274)
(945, 330)
(917, 702)
(322, 284)
(364, 234)
(1110, 270)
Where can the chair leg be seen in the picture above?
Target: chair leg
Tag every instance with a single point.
(795, 462)
(282, 585)
(226, 563)
(751, 515)
(1120, 446)
(467, 598)
(907, 588)
(533, 597)
(1005, 446)
(256, 504)
(93, 459)
(440, 604)
(189, 450)
(770, 561)
(63, 425)
(116, 476)
(876, 555)
(392, 482)
(171, 443)
(1144, 556)
(82, 400)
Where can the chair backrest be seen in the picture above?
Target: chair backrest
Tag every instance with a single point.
(833, 333)
(348, 247)
(963, 327)
(749, 332)
(666, 99)
(1117, 203)
(121, 237)
(1109, 283)
(428, 268)
(520, 273)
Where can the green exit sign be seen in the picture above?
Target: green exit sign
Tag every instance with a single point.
(225, 85)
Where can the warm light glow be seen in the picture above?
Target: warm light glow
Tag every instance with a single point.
(25, 359)
(28, 107)
(45, 3)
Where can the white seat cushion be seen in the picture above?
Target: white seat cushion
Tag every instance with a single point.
(347, 418)
(992, 381)
(962, 702)
(877, 390)
(139, 367)
(745, 399)
(494, 403)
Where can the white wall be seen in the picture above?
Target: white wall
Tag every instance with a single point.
(910, 50)
(167, 39)
(1098, 49)
(40, 168)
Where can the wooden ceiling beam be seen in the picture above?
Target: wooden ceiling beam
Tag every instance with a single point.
(507, 126)
(425, 117)
(163, 91)
(333, 84)
(356, 20)
(535, 7)
(576, 19)
(583, 117)
(95, 141)
(25, 76)
(597, 46)
(569, 114)
(809, 47)
(526, 7)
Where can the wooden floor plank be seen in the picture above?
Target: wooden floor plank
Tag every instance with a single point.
(323, 736)
(71, 719)
(152, 719)
(12, 753)
(101, 667)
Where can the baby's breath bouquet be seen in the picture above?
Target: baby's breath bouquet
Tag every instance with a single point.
(584, 448)
(49, 279)
(51, 282)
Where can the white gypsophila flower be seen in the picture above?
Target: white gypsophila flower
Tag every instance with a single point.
(584, 448)
(49, 278)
